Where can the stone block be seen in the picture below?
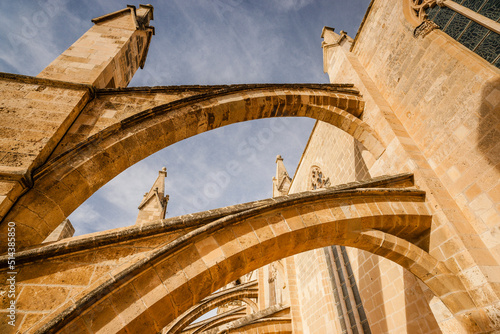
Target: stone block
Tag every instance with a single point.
(40, 298)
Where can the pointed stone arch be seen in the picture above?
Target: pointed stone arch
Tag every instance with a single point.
(266, 326)
(221, 319)
(68, 179)
(365, 219)
(270, 320)
(242, 292)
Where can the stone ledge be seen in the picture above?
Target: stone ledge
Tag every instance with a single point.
(47, 82)
(341, 88)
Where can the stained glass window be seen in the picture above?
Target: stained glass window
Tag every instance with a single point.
(474, 36)
(443, 16)
(489, 48)
(472, 4)
(491, 9)
(456, 26)
(431, 12)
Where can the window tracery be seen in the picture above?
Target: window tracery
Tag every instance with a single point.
(473, 23)
(419, 8)
(318, 179)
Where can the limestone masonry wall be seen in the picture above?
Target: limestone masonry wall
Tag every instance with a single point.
(448, 99)
(436, 107)
(384, 288)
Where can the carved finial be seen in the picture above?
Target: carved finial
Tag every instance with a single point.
(424, 29)
(281, 182)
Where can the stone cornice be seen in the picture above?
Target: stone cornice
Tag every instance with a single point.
(47, 82)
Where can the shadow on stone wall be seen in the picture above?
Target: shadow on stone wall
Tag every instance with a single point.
(419, 317)
(370, 284)
(360, 168)
(488, 134)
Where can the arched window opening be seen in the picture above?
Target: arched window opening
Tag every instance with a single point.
(318, 180)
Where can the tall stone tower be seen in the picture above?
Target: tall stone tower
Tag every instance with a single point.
(109, 53)
(281, 182)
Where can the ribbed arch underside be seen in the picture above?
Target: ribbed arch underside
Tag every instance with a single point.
(266, 326)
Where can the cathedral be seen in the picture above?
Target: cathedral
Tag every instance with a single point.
(391, 223)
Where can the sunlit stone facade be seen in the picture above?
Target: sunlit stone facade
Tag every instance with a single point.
(391, 223)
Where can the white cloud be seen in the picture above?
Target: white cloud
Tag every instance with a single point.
(291, 5)
(85, 219)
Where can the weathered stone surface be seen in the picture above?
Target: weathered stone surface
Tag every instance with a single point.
(416, 252)
(187, 267)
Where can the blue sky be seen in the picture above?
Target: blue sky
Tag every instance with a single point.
(196, 42)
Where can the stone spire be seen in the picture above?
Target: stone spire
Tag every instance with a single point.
(154, 203)
(109, 53)
(330, 37)
(282, 181)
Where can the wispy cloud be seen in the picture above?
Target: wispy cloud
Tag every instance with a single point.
(86, 219)
(35, 33)
(287, 5)
(226, 166)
